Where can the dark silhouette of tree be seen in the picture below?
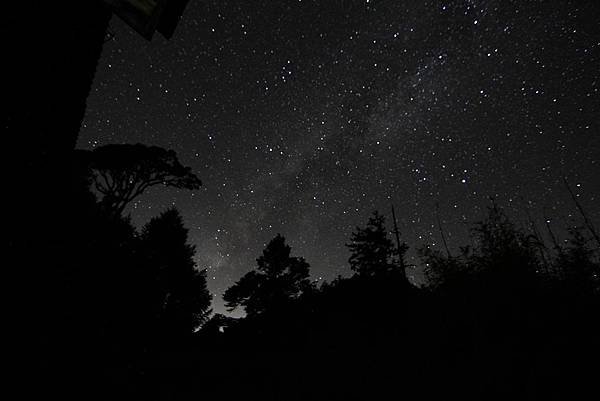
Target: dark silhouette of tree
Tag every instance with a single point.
(122, 172)
(579, 264)
(501, 243)
(502, 255)
(181, 300)
(372, 251)
(277, 279)
(441, 269)
(401, 246)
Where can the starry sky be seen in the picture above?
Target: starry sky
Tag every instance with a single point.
(302, 117)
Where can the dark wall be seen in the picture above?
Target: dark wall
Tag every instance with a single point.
(53, 50)
(50, 56)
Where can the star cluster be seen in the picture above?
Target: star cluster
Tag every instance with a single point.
(301, 117)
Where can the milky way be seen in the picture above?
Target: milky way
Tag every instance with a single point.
(302, 117)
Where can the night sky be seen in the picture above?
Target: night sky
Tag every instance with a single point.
(302, 117)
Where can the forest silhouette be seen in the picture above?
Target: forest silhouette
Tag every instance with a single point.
(507, 317)
(100, 310)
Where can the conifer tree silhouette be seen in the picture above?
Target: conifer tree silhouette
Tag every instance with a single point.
(372, 251)
(182, 299)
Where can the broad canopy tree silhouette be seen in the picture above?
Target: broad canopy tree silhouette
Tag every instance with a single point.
(122, 172)
(277, 279)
